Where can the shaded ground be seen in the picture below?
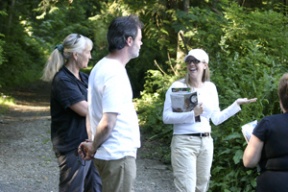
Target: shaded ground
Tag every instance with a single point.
(27, 162)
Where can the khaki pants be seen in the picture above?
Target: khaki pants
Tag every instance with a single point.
(117, 175)
(191, 159)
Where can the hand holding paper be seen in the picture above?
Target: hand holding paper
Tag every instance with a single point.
(198, 110)
(247, 129)
(183, 101)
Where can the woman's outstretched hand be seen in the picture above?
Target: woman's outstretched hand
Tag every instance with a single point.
(241, 101)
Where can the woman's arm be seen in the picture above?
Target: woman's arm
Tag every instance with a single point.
(88, 127)
(81, 108)
(220, 116)
(252, 153)
(170, 117)
(107, 123)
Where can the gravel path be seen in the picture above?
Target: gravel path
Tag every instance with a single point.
(27, 163)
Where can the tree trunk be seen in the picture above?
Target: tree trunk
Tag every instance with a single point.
(10, 17)
(180, 38)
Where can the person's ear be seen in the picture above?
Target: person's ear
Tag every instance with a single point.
(75, 55)
(205, 65)
(129, 41)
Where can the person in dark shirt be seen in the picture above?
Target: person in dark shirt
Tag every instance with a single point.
(268, 147)
(68, 108)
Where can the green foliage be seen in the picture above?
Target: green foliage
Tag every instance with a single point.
(21, 54)
(247, 50)
(2, 59)
(150, 106)
(247, 57)
(27, 56)
(5, 101)
(201, 28)
(248, 66)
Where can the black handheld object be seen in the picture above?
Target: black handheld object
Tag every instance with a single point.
(194, 102)
(197, 118)
(181, 89)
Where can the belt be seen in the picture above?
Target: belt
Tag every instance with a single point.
(206, 134)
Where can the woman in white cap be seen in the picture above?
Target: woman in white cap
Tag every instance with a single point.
(192, 144)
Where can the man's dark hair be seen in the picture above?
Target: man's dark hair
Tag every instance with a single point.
(120, 29)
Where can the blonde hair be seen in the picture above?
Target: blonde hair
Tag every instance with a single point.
(62, 53)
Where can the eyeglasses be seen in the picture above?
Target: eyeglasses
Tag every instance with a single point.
(77, 38)
(192, 60)
(184, 89)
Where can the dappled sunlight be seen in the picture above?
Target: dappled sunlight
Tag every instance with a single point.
(20, 107)
(21, 112)
(24, 102)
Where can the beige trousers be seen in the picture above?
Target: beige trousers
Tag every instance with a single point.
(117, 175)
(191, 159)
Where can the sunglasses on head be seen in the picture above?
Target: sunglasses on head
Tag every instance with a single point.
(192, 60)
(77, 38)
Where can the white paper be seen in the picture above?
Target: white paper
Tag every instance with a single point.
(247, 129)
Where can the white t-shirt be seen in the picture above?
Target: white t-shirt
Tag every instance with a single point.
(109, 90)
(184, 122)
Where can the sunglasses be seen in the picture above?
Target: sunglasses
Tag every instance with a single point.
(77, 38)
(192, 60)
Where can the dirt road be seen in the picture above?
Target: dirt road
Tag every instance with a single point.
(27, 163)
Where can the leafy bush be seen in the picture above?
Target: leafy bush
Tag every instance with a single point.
(247, 57)
(150, 106)
(249, 66)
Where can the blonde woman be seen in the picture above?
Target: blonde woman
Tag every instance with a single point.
(68, 107)
(192, 144)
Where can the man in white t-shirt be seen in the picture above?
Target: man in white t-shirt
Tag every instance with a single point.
(112, 122)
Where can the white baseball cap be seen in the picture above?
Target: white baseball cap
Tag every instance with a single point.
(199, 54)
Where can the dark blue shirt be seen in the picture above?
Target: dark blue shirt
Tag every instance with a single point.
(273, 131)
(68, 129)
